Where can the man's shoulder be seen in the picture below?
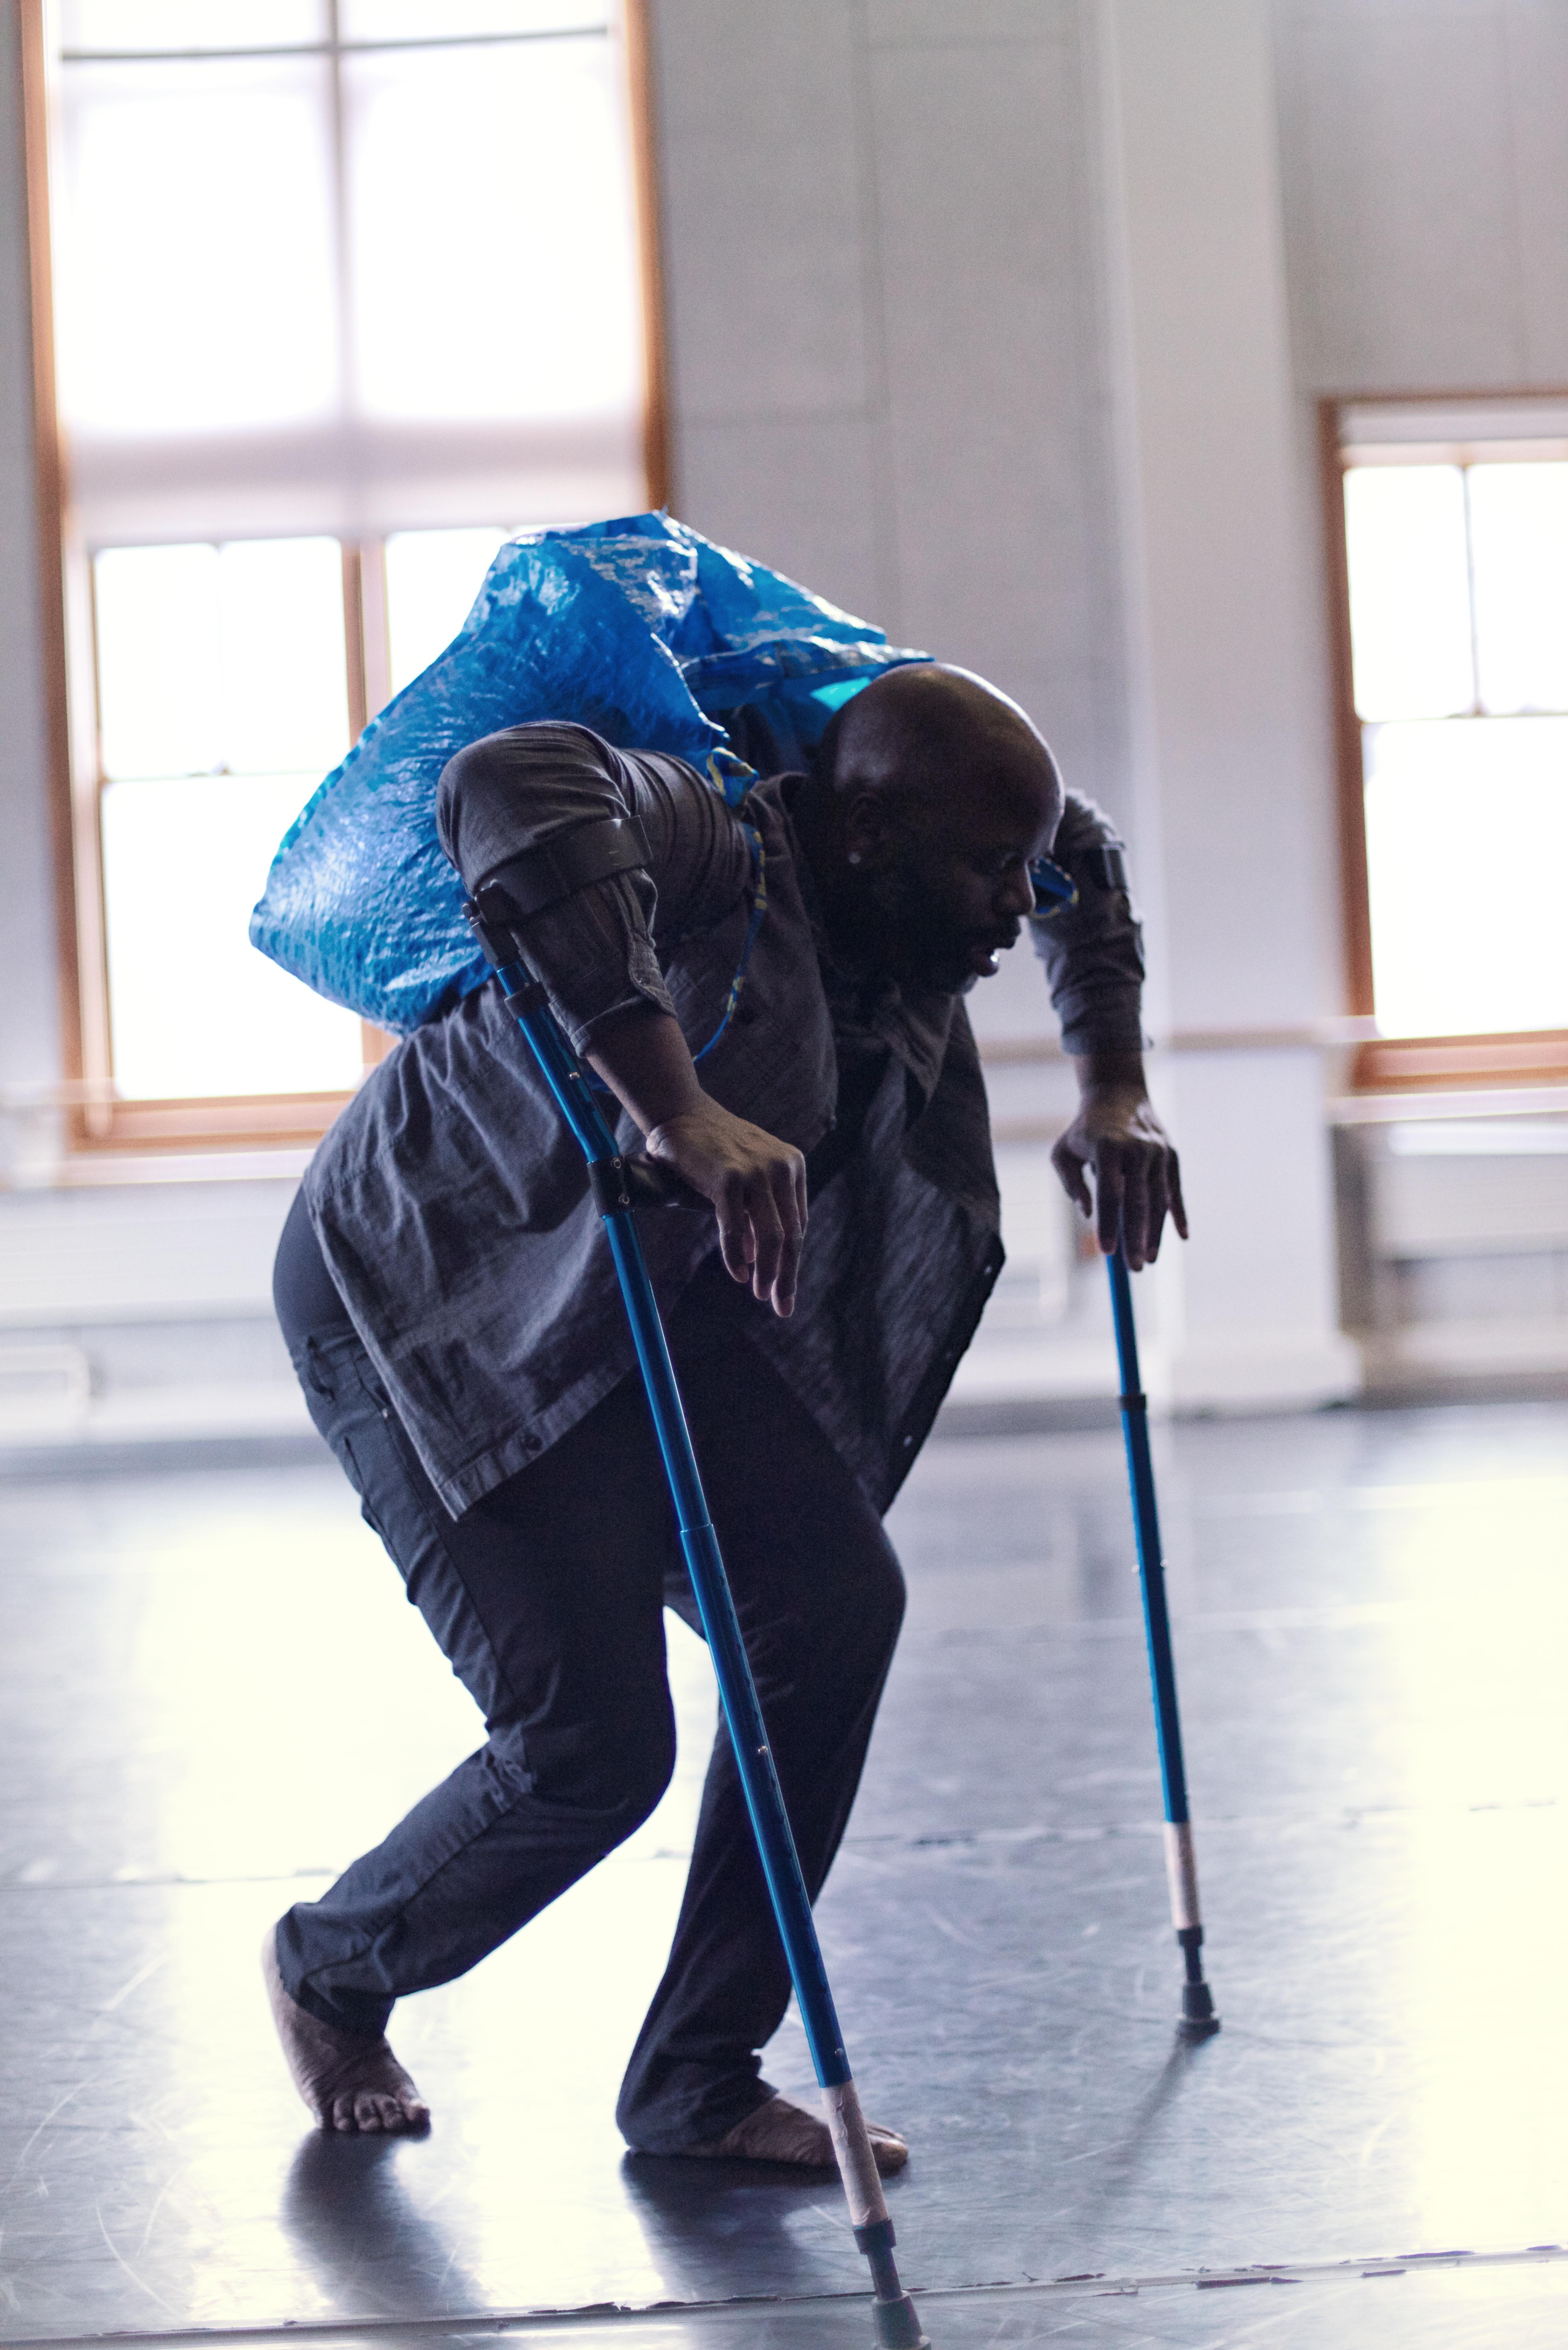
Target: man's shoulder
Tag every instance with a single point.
(775, 793)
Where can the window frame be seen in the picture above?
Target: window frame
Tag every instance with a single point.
(94, 1116)
(1400, 1064)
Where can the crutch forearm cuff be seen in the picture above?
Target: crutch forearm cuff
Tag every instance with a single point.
(559, 866)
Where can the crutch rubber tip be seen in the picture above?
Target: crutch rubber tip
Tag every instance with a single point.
(898, 2326)
(1199, 2021)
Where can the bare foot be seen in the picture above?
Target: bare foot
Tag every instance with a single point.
(349, 2081)
(782, 2131)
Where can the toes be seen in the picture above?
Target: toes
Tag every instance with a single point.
(387, 2103)
(390, 2111)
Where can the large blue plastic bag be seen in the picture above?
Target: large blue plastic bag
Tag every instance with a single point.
(640, 628)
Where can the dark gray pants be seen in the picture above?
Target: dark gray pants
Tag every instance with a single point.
(547, 1598)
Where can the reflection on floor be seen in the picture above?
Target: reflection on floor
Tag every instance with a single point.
(210, 1698)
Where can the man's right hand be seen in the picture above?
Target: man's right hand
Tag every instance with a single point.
(757, 1186)
(756, 1183)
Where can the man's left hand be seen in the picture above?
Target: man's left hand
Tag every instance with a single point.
(1118, 1137)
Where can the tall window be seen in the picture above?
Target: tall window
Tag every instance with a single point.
(343, 291)
(1456, 575)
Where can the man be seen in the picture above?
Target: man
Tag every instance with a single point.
(450, 1307)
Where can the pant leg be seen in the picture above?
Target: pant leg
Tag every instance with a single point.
(820, 1597)
(547, 1600)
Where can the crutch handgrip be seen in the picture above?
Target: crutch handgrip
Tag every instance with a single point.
(631, 1181)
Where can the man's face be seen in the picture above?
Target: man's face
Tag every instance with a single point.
(951, 883)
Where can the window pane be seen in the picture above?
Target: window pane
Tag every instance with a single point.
(433, 578)
(285, 689)
(189, 24)
(1467, 845)
(196, 1010)
(158, 660)
(494, 183)
(228, 657)
(423, 20)
(1409, 590)
(1518, 549)
(194, 275)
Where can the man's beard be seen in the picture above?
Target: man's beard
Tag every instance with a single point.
(915, 946)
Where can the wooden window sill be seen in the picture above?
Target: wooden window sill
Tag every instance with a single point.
(269, 1123)
(1422, 1063)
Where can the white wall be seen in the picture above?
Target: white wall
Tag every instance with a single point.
(1427, 193)
(1233, 761)
(880, 233)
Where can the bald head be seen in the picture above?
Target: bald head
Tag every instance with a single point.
(918, 731)
(929, 794)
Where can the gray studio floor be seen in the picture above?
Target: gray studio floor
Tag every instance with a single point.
(213, 1696)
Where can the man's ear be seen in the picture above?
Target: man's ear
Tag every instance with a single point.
(869, 828)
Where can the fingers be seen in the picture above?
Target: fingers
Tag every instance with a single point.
(790, 1198)
(1116, 1144)
(757, 1187)
(1108, 1192)
(1135, 1210)
(777, 1232)
(736, 1245)
(1159, 1206)
(1069, 1169)
(1136, 1187)
(761, 1229)
(766, 1239)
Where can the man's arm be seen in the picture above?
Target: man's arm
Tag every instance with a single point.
(755, 1182)
(529, 787)
(1093, 952)
(594, 954)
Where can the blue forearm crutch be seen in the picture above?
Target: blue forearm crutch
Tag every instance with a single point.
(618, 1184)
(1198, 2016)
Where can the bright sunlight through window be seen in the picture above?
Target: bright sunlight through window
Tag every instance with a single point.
(344, 290)
(1458, 614)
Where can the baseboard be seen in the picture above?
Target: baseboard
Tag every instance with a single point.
(1258, 1371)
(1512, 1354)
(1025, 1415)
(155, 1456)
(64, 1424)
